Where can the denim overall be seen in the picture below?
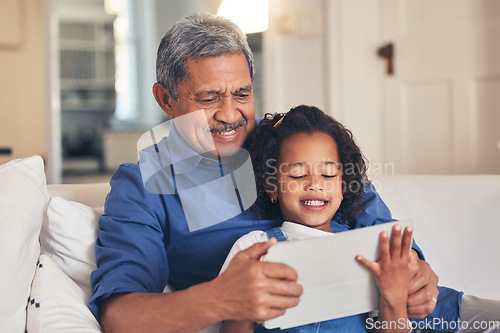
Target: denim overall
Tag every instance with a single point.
(351, 324)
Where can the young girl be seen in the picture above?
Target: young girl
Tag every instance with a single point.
(308, 170)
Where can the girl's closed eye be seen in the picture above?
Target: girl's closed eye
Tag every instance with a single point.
(303, 176)
(296, 171)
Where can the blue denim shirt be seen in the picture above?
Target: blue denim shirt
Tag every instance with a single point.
(145, 240)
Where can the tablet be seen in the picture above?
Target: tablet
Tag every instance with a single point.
(335, 284)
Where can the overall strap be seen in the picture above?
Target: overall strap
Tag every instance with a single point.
(276, 233)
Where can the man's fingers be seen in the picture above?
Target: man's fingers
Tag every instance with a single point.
(256, 290)
(422, 302)
(413, 265)
(262, 307)
(424, 296)
(419, 311)
(422, 292)
(286, 288)
(425, 277)
(284, 277)
(279, 296)
(259, 249)
(284, 302)
(269, 314)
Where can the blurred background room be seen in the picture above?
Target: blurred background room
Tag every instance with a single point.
(417, 81)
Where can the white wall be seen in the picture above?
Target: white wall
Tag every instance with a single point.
(294, 59)
(327, 56)
(354, 71)
(23, 82)
(326, 59)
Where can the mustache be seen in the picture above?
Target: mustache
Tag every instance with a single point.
(226, 127)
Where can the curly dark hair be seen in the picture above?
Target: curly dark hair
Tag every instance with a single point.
(274, 129)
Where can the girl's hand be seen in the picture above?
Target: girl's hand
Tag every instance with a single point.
(392, 274)
(391, 271)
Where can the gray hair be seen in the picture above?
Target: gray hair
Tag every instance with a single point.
(194, 37)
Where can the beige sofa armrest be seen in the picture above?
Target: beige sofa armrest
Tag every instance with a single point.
(92, 195)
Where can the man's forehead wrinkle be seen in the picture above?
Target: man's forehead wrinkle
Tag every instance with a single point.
(201, 93)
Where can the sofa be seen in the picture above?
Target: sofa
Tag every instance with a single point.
(48, 234)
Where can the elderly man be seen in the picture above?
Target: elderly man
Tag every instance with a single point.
(150, 234)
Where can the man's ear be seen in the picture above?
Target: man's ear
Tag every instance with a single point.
(164, 99)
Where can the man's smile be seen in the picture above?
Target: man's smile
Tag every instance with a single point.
(226, 129)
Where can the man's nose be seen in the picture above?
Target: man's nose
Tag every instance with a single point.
(228, 112)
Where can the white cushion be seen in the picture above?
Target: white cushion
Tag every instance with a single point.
(57, 304)
(23, 198)
(68, 237)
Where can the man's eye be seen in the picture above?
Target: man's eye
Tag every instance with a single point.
(297, 177)
(241, 97)
(329, 176)
(209, 100)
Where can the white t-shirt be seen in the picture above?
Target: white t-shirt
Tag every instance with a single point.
(291, 230)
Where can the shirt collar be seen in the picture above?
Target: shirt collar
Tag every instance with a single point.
(296, 231)
(183, 158)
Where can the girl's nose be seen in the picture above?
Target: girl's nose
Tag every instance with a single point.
(315, 183)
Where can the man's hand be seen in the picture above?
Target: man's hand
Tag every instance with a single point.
(422, 291)
(247, 290)
(257, 291)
